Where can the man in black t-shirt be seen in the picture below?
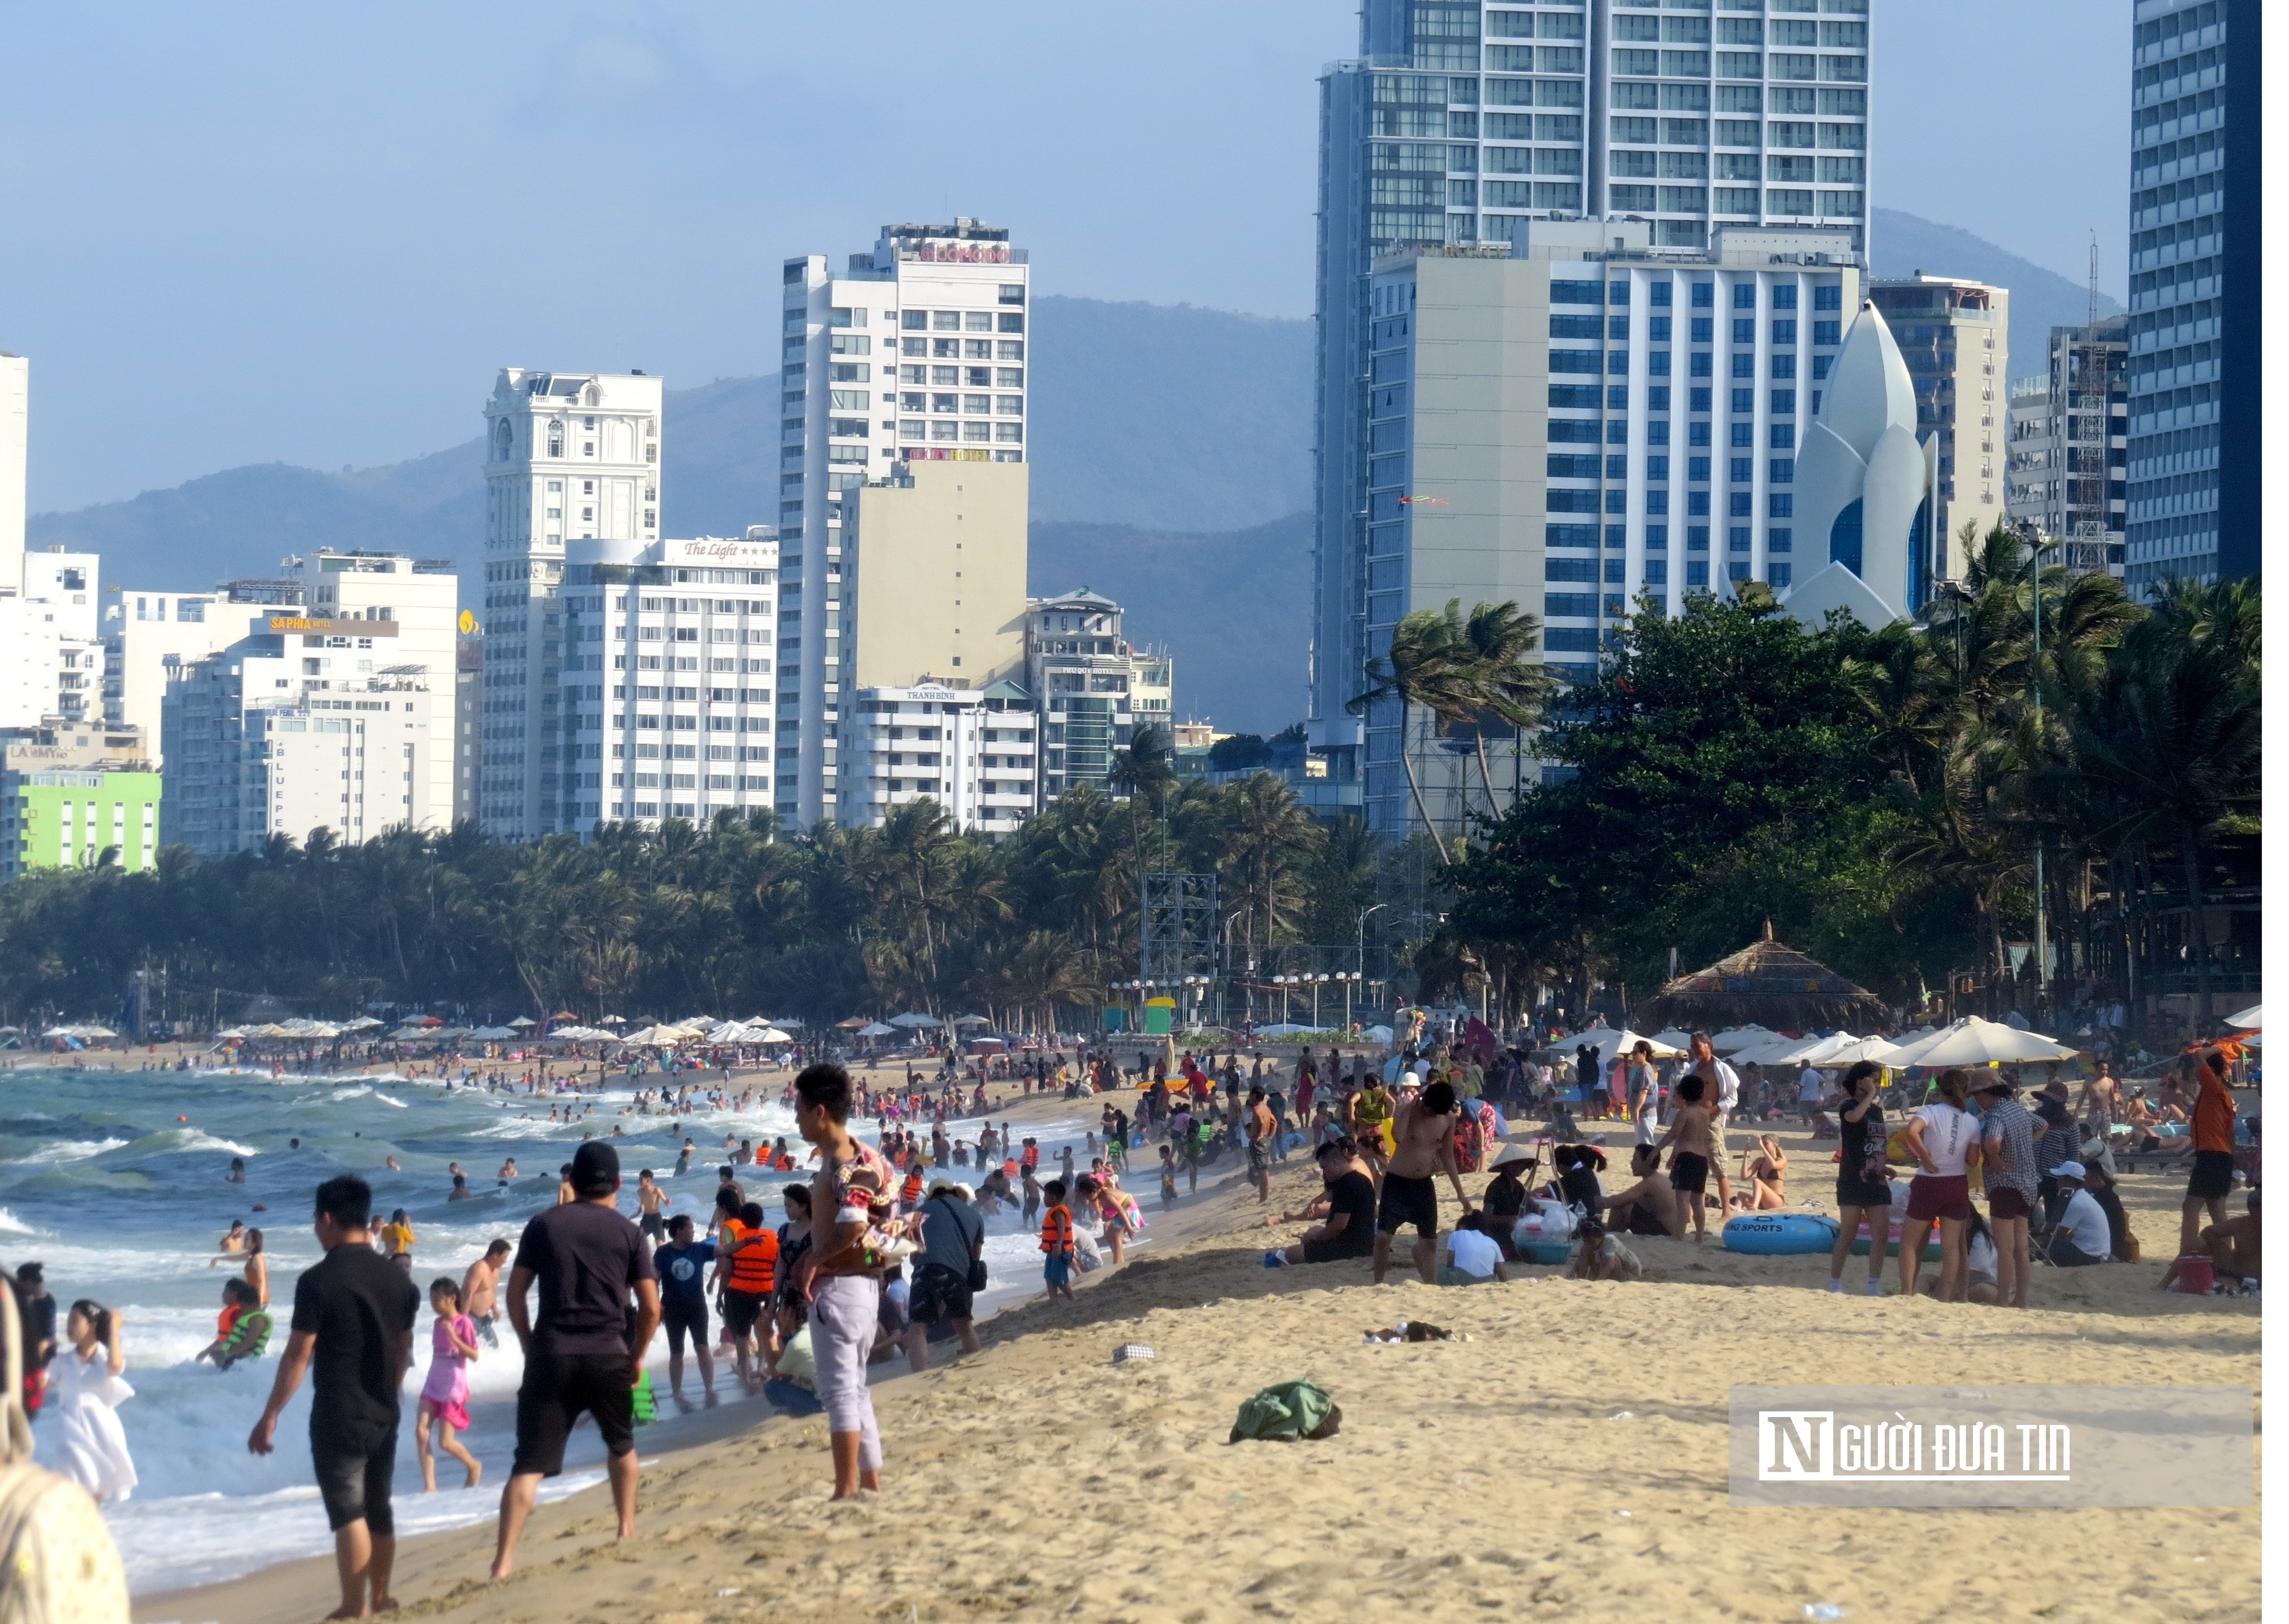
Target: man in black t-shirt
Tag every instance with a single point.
(580, 1354)
(353, 1321)
(1347, 1212)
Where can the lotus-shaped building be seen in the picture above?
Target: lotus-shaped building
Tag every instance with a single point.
(1863, 486)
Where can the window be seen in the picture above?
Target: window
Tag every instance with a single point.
(1697, 573)
(1781, 470)
(1782, 437)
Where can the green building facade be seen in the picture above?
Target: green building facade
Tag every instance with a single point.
(69, 817)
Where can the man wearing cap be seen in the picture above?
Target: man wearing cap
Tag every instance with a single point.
(2008, 1131)
(2081, 1236)
(580, 1354)
(953, 1238)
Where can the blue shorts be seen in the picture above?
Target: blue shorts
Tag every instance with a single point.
(1057, 1272)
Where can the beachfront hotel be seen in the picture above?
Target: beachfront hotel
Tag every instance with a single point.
(1469, 125)
(570, 457)
(664, 673)
(914, 352)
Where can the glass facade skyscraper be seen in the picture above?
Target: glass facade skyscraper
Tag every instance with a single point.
(2195, 296)
(1463, 120)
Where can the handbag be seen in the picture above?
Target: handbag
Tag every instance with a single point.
(978, 1273)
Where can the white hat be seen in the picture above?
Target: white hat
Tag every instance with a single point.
(2068, 1170)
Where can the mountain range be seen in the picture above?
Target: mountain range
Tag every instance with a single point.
(1172, 455)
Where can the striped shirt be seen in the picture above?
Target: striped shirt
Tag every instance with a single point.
(2010, 1128)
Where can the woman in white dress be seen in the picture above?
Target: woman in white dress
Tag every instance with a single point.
(87, 1391)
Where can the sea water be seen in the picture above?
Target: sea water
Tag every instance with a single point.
(117, 1183)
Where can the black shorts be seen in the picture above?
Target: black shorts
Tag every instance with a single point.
(2212, 1178)
(1688, 1175)
(1330, 1251)
(557, 1388)
(354, 1483)
(939, 1295)
(741, 1309)
(685, 1321)
(1406, 1201)
(1853, 1192)
(653, 1226)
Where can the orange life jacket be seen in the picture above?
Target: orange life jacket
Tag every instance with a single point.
(754, 1267)
(1058, 1232)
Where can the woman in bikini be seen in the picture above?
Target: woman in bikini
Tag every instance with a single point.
(1764, 1169)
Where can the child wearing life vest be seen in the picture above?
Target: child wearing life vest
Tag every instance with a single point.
(1057, 1242)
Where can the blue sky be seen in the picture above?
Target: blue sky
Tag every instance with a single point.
(312, 233)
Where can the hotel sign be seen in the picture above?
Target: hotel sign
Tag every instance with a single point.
(333, 628)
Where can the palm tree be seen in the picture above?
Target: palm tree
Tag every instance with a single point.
(1499, 636)
(1428, 668)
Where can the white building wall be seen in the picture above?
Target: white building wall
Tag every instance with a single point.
(919, 349)
(666, 665)
(939, 744)
(148, 636)
(569, 457)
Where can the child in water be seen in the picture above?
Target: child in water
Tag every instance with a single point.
(445, 1395)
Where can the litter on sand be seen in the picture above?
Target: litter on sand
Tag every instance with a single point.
(1126, 1351)
(1826, 1612)
(1410, 1330)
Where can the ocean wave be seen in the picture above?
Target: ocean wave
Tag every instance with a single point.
(66, 1150)
(9, 1224)
(179, 1140)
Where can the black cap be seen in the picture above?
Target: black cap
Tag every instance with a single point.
(595, 1168)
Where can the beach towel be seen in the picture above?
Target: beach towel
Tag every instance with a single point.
(1287, 1411)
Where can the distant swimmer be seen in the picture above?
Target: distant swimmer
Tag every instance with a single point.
(460, 1188)
(390, 1162)
(564, 1185)
(237, 1173)
(508, 1170)
(232, 1243)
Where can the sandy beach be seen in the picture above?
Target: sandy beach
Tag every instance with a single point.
(1567, 1458)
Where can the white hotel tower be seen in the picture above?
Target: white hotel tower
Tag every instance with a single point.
(569, 456)
(915, 351)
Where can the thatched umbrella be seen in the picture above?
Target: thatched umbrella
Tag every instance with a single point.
(1770, 983)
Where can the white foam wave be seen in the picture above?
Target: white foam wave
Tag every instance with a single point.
(66, 1151)
(192, 1139)
(9, 1224)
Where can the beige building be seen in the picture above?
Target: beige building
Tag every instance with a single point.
(1955, 336)
(936, 577)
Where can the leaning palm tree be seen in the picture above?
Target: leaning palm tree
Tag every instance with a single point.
(1510, 686)
(1427, 668)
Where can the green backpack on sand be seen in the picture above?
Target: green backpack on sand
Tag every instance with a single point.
(1287, 1411)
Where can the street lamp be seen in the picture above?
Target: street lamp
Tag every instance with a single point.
(2037, 544)
(1362, 935)
(1318, 981)
(1350, 979)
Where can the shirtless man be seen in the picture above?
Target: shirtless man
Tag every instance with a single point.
(2101, 1104)
(481, 1290)
(1425, 1130)
(507, 1175)
(1648, 1207)
(1260, 1129)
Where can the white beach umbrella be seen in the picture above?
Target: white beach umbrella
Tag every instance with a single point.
(2254, 1015)
(911, 1019)
(1681, 1041)
(363, 1023)
(770, 1034)
(1883, 1051)
(1975, 1042)
(1610, 1041)
(492, 1034)
(1742, 1037)
(877, 1030)
(524, 1021)
(971, 1021)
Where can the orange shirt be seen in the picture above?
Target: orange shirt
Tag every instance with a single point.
(1056, 1232)
(2213, 1114)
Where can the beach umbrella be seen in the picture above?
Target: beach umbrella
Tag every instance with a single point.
(916, 1020)
(611, 1020)
(1795, 1051)
(1609, 1041)
(363, 1023)
(429, 1021)
(493, 1034)
(2252, 1016)
(1379, 1034)
(1740, 1037)
(1975, 1042)
(852, 1024)
(1883, 1051)
(985, 1046)
(971, 1021)
(770, 1034)
(877, 1030)
(1676, 1040)
(525, 1021)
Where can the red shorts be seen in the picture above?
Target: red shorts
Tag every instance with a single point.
(1930, 1196)
(2004, 1204)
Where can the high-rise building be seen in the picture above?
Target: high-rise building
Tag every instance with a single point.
(2068, 444)
(570, 457)
(468, 718)
(52, 665)
(1563, 423)
(67, 798)
(666, 670)
(1464, 121)
(146, 637)
(305, 723)
(2197, 355)
(914, 352)
(969, 749)
(1094, 687)
(1955, 337)
(15, 424)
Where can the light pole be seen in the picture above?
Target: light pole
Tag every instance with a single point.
(1362, 936)
(1318, 981)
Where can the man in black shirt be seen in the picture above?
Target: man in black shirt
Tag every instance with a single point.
(1347, 1212)
(581, 1354)
(354, 1320)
